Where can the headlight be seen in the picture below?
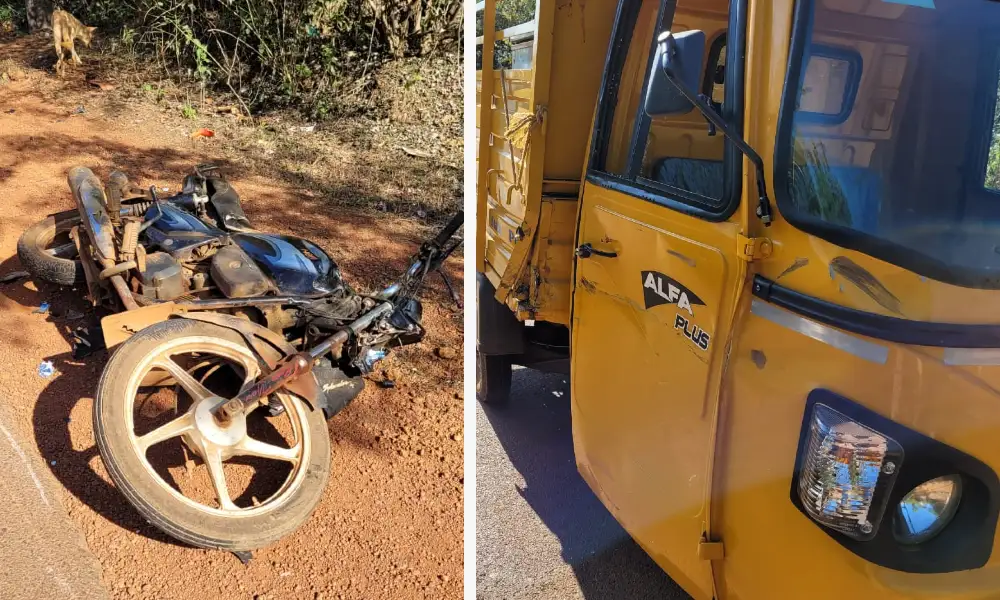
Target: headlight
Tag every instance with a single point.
(890, 494)
(927, 509)
(840, 472)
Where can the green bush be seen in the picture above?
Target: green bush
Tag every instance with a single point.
(289, 53)
(12, 17)
(508, 14)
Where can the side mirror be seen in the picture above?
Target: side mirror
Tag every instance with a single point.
(675, 76)
(678, 58)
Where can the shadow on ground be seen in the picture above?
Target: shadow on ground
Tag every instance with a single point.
(74, 458)
(535, 433)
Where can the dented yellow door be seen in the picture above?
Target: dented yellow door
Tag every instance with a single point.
(648, 338)
(655, 290)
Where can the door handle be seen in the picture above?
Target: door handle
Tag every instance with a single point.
(586, 250)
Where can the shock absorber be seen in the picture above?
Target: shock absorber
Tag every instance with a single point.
(130, 238)
(117, 184)
(136, 209)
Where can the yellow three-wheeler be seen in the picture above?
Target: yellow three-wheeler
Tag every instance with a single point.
(763, 237)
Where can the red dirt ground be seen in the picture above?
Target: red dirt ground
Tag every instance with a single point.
(390, 523)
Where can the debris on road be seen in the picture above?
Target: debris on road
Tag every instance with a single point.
(42, 309)
(104, 86)
(415, 153)
(200, 133)
(446, 353)
(79, 110)
(85, 342)
(46, 369)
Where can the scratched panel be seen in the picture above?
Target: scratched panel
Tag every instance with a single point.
(501, 234)
(552, 261)
(645, 248)
(772, 370)
(502, 225)
(505, 201)
(649, 332)
(505, 175)
(497, 257)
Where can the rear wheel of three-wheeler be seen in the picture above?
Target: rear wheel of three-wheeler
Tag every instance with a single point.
(234, 487)
(48, 253)
(493, 376)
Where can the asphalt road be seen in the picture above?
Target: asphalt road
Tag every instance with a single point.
(540, 532)
(42, 553)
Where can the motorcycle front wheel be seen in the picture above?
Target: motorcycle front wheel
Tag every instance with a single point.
(236, 487)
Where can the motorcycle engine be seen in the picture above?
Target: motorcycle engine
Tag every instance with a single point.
(237, 275)
(333, 311)
(163, 278)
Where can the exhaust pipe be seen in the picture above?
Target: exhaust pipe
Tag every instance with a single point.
(89, 195)
(91, 203)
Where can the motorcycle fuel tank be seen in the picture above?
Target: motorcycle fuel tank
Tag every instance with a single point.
(177, 231)
(296, 266)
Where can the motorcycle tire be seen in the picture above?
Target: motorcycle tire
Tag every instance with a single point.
(43, 266)
(167, 508)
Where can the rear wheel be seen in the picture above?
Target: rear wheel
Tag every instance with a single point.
(48, 253)
(235, 487)
(493, 376)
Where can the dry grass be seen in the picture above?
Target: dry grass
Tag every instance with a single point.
(394, 146)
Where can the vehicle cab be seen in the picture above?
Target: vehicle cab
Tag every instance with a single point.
(781, 307)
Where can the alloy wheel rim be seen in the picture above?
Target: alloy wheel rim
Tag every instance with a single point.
(204, 437)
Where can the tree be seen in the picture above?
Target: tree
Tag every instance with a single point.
(993, 162)
(39, 14)
(513, 12)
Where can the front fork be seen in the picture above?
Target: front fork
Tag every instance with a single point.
(295, 366)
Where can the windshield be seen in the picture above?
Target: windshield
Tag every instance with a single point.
(889, 141)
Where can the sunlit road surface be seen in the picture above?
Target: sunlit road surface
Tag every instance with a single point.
(42, 552)
(540, 532)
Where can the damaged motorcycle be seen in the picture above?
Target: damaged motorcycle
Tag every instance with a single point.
(230, 345)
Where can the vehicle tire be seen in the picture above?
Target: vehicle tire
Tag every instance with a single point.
(125, 454)
(493, 375)
(35, 249)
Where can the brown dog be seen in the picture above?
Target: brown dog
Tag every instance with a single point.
(65, 30)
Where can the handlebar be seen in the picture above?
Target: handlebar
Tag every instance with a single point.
(449, 229)
(430, 256)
